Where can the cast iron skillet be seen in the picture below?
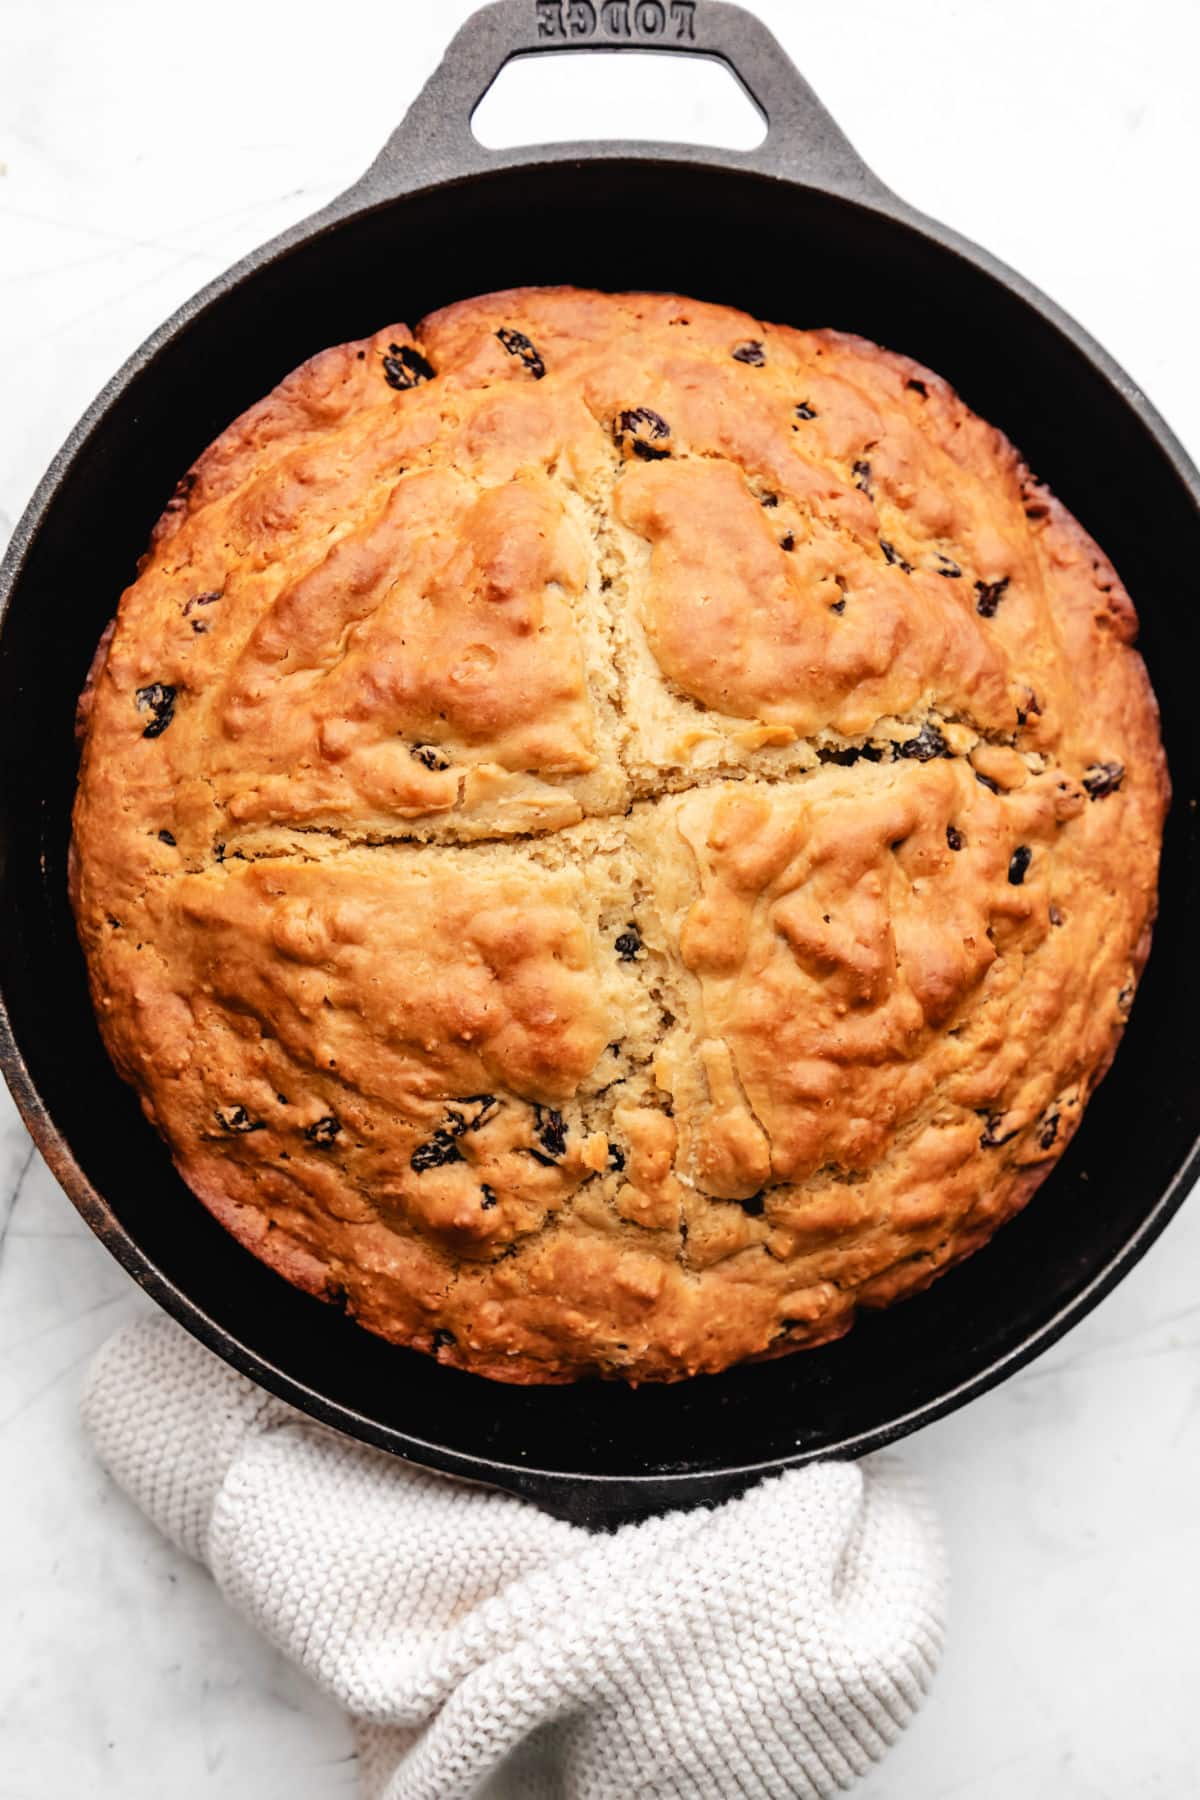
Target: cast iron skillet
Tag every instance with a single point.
(797, 230)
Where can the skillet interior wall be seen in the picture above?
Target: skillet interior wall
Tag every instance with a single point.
(786, 254)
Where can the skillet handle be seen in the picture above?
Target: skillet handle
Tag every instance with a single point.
(435, 141)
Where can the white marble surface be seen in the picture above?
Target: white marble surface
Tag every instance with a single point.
(144, 148)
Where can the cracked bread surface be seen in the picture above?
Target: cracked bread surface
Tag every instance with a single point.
(611, 834)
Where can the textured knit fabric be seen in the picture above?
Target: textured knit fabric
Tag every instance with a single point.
(767, 1649)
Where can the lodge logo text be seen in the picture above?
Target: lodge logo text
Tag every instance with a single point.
(622, 20)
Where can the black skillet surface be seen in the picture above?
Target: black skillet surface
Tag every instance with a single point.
(796, 230)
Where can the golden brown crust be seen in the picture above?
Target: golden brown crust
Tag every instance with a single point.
(611, 834)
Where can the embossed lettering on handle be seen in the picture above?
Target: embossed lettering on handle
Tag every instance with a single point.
(617, 21)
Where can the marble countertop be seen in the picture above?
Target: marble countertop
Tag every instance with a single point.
(142, 152)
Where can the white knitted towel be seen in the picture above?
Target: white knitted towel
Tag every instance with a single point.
(772, 1646)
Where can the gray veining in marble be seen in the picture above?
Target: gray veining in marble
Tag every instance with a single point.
(144, 148)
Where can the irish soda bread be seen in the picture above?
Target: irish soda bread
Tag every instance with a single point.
(611, 834)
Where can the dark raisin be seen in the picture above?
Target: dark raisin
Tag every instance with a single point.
(1056, 917)
(788, 541)
(323, 1132)
(838, 606)
(616, 1157)
(440, 1149)
(1049, 1130)
(1125, 1000)
(428, 756)
(1018, 863)
(927, 744)
(994, 1133)
(805, 411)
(550, 1130)
(489, 1198)
(918, 387)
(200, 626)
(167, 837)
(517, 344)
(947, 566)
(642, 427)
(993, 787)
(1103, 778)
(862, 478)
(893, 556)
(219, 852)
(237, 1119)
(988, 595)
(159, 699)
(954, 837)
(769, 500)
(442, 1339)
(283, 1099)
(754, 1204)
(488, 1107)
(629, 943)
(404, 367)
(750, 352)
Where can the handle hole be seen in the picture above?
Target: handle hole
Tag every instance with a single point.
(579, 94)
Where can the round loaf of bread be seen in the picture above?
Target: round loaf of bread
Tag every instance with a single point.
(611, 834)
